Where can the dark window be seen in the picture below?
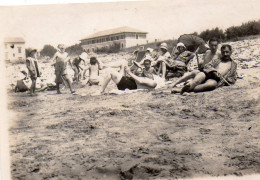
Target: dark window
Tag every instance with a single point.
(19, 50)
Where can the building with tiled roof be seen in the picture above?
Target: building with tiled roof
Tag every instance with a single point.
(125, 36)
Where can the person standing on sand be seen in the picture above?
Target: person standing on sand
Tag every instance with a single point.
(209, 55)
(32, 66)
(219, 72)
(61, 61)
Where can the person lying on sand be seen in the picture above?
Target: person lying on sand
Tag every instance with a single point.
(209, 55)
(61, 61)
(125, 79)
(94, 67)
(219, 72)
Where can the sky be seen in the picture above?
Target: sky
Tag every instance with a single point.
(162, 19)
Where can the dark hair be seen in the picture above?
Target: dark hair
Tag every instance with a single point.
(148, 60)
(224, 46)
(213, 39)
(93, 60)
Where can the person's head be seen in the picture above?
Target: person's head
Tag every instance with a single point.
(163, 48)
(213, 44)
(147, 63)
(181, 47)
(84, 56)
(139, 71)
(226, 51)
(149, 51)
(33, 53)
(93, 60)
(61, 47)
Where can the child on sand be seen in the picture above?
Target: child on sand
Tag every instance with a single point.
(61, 62)
(33, 69)
(94, 67)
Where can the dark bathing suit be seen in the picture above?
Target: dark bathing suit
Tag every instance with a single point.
(210, 75)
(126, 83)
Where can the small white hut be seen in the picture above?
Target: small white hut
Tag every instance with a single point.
(14, 49)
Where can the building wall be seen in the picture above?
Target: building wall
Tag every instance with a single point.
(17, 53)
(125, 39)
(93, 47)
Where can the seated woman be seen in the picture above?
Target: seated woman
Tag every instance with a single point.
(125, 79)
(218, 72)
(176, 66)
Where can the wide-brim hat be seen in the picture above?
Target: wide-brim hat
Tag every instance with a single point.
(164, 46)
(84, 56)
(149, 49)
(32, 51)
(180, 44)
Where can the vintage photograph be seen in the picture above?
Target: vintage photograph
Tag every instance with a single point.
(122, 90)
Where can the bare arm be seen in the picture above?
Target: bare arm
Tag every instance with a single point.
(100, 64)
(53, 59)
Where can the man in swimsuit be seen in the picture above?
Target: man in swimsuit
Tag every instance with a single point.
(219, 72)
(209, 55)
(61, 61)
(125, 79)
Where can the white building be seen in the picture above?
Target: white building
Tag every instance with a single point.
(125, 36)
(14, 49)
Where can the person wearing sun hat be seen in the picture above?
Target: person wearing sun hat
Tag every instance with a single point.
(33, 69)
(164, 56)
(148, 55)
(60, 62)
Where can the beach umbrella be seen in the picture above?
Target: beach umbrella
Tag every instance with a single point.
(193, 43)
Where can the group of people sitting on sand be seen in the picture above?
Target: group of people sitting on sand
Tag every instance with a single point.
(215, 69)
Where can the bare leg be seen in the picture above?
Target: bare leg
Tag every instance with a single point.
(111, 74)
(69, 84)
(199, 78)
(58, 88)
(209, 85)
(185, 77)
(163, 69)
(32, 89)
